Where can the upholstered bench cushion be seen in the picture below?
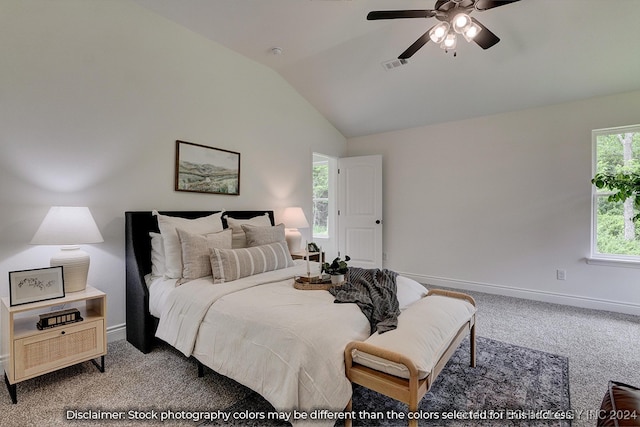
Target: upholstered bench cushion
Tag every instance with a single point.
(620, 406)
(425, 330)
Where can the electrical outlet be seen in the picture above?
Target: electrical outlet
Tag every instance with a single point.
(385, 257)
(561, 274)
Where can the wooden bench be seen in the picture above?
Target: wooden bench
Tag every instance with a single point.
(404, 363)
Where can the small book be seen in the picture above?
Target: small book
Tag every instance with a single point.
(58, 318)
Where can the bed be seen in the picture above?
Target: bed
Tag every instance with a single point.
(284, 343)
(141, 325)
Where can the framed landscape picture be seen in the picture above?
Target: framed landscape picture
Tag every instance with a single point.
(38, 284)
(203, 169)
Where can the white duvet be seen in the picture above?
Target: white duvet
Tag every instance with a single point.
(286, 344)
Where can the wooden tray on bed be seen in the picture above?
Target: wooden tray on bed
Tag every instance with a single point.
(314, 283)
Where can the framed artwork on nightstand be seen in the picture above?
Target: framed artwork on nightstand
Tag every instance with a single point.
(39, 284)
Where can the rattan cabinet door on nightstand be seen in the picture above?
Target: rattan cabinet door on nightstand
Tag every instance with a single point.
(32, 352)
(67, 345)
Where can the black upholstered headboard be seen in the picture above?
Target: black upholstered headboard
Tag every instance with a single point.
(141, 325)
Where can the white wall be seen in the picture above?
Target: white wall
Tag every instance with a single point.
(93, 95)
(499, 203)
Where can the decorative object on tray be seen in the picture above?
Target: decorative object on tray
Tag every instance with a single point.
(59, 318)
(39, 284)
(203, 169)
(69, 226)
(337, 269)
(313, 247)
(314, 283)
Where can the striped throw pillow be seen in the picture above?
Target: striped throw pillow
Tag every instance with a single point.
(233, 264)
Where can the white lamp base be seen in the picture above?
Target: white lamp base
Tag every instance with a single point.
(75, 267)
(293, 238)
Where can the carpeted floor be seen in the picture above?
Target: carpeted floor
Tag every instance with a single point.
(509, 384)
(599, 346)
(135, 387)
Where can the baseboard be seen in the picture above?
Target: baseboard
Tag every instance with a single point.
(117, 332)
(551, 297)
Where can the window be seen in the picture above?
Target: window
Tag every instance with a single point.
(320, 196)
(325, 211)
(614, 234)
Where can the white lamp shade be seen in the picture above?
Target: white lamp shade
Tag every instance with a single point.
(67, 226)
(294, 218)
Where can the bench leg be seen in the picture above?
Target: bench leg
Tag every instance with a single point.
(347, 421)
(413, 399)
(413, 407)
(472, 346)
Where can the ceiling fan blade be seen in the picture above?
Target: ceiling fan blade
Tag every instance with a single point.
(490, 4)
(415, 46)
(485, 38)
(399, 14)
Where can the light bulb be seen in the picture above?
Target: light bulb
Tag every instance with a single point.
(449, 42)
(472, 31)
(461, 22)
(439, 32)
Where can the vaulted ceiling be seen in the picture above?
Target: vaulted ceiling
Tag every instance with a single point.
(551, 51)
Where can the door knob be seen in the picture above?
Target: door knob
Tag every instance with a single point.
(378, 221)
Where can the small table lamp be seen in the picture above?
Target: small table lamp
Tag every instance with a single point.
(71, 227)
(293, 218)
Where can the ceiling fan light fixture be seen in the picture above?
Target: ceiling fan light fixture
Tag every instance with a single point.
(472, 31)
(439, 32)
(454, 18)
(461, 23)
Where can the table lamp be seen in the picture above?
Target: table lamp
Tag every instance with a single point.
(69, 227)
(293, 218)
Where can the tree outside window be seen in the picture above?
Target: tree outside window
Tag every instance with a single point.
(616, 226)
(321, 199)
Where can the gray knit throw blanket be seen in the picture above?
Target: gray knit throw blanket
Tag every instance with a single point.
(374, 291)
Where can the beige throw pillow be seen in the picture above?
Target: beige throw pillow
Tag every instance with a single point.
(239, 239)
(233, 264)
(258, 236)
(196, 249)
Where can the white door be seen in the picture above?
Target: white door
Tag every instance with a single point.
(360, 210)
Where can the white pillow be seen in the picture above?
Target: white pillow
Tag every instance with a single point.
(172, 248)
(233, 264)
(195, 251)
(409, 291)
(157, 255)
(239, 240)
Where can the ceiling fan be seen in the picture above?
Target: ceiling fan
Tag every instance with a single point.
(454, 19)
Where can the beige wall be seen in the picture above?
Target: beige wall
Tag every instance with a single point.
(499, 203)
(93, 95)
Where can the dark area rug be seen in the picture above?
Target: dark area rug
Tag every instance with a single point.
(514, 385)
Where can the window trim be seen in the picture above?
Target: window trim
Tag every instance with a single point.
(597, 258)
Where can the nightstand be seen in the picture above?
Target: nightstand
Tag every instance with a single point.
(33, 352)
(313, 256)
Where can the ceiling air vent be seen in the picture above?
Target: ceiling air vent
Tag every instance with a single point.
(394, 63)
